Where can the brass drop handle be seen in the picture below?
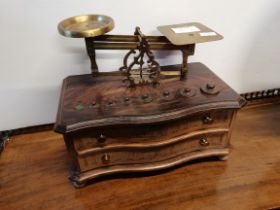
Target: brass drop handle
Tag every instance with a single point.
(105, 158)
(166, 93)
(203, 141)
(101, 139)
(145, 96)
(208, 120)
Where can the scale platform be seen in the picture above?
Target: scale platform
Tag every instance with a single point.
(189, 33)
(85, 26)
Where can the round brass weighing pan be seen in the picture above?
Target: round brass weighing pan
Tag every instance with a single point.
(85, 26)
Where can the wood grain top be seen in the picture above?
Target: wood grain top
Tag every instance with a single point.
(88, 101)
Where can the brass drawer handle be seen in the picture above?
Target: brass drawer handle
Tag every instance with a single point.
(166, 93)
(101, 139)
(105, 158)
(203, 142)
(208, 120)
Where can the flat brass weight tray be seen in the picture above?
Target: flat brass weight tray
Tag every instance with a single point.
(189, 33)
(85, 26)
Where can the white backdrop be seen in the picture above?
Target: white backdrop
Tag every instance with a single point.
(34, 58)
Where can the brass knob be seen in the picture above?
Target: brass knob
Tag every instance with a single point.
(186, 90)
(105, 158)
(145, 96)
(210, 89)
(126, 99)
(101, 139)
(204, 142)
(210, 86)
(166, 93)
(208, 120)
(92, 104)
(110, 103)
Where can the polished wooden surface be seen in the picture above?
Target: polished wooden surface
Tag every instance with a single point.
(89, 102)
(33, 170)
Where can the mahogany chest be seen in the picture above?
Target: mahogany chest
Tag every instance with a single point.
(109, 128)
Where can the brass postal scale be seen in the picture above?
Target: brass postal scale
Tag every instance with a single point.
(143, 116)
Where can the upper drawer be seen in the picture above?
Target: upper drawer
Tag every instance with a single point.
(128, 134)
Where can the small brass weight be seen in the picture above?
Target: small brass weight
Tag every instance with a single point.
(181, 37)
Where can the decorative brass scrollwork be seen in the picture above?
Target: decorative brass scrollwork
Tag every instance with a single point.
(144, 74)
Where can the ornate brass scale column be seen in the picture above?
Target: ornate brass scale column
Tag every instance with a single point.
(164, 116)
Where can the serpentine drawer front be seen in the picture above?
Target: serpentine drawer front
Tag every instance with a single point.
(119, 135)
(151, 152)
(109, 128)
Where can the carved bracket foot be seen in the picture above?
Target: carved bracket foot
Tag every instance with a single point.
(76, 183)
(223, 158)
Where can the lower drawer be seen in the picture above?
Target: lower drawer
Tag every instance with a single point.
(153, 152)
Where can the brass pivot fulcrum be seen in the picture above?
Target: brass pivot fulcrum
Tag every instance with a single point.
(142, 74)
